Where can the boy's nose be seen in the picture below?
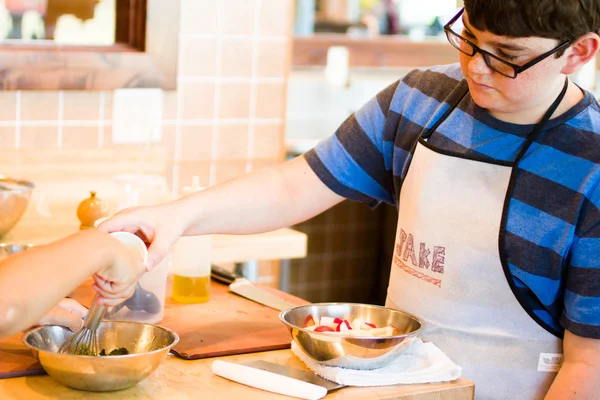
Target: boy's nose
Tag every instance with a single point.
(477, 64)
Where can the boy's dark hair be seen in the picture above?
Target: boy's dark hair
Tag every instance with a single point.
(554, 19)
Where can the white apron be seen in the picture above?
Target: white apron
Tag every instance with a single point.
(447, 270)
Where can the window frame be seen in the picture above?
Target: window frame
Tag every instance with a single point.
(145, 55)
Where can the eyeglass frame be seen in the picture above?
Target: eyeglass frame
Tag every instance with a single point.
(517, 69)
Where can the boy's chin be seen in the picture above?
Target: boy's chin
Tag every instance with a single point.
(485, 100)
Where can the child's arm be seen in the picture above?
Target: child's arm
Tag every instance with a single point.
(34, 281)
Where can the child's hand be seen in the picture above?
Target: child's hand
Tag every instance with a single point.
(117, 281)
(67, 312)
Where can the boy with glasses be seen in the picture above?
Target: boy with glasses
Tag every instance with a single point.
(494, 165)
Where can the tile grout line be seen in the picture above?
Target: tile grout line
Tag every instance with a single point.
(253, 85)
(107, 122)
(18, 120)
(226, 121)
(61, 106)
(178, 119)
(241, 38)
(212, 175)
(101, 120)
(231, 79)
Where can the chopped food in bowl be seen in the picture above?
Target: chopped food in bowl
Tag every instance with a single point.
(121, 351)
(358, 327)
(351, 335)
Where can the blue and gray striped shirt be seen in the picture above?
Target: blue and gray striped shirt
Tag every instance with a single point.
(552, 239)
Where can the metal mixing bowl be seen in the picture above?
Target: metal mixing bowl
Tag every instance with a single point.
(148, 346)
(14, 198)
(350, 351)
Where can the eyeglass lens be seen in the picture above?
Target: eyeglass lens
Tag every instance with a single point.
(458, 29)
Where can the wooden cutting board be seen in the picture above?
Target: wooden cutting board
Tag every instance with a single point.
(226, 325)
(16, 359)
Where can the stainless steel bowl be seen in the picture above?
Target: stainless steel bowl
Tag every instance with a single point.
(350, 351)
(14, 198)
(148, 346)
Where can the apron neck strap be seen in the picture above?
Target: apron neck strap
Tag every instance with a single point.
(540, 125)
(429, 132)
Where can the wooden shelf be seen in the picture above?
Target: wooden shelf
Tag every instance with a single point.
(385, 51)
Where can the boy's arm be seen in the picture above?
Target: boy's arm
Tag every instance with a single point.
(34, 281)
(258, 202)
(579, 376)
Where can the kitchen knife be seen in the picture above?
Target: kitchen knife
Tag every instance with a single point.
(295, 373)
(243, 287)
(266, 380)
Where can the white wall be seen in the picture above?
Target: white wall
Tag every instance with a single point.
(315, 108)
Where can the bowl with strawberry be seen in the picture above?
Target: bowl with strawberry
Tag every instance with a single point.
(351, 335)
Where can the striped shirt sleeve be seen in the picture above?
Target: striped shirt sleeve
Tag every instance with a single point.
(351, 162)
(581, 315)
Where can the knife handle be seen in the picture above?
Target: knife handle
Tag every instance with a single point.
(223, 275)
(266, 380)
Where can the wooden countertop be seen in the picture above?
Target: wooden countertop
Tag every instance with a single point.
(183, 379)
(279, 244)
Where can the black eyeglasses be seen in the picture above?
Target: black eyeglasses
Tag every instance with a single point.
(497, 64)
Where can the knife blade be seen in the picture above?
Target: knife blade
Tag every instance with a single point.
(243, 287)
(295, 373)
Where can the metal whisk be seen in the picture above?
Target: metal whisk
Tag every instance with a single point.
(85, 342)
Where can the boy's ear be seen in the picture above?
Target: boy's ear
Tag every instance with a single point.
(582, 51)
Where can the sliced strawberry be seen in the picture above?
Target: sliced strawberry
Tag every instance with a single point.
(370, 324)
(323, 328)
(337, 321)
(343, 326)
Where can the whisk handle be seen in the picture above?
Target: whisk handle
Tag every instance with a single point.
(94, 315)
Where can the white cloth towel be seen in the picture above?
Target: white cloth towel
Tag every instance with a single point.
(420, 363)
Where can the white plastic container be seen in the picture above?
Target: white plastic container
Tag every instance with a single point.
(191, 263)
(148, 301)
(147, 304)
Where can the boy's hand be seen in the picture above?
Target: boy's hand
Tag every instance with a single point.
(155, 225)
(67, 312)
(117, 281)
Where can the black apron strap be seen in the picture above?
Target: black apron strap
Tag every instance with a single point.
(540, 125)
(519, 295)
(427, 135)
